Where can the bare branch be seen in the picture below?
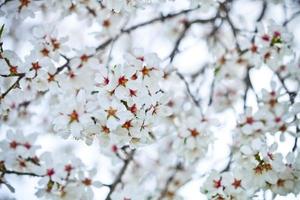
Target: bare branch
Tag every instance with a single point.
(169, 181)
(21, 173)
(118, 179)
(294, 16)
(162, 18)
(296, 140)
(14, 85)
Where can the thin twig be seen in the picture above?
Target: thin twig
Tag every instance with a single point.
(223, 7)
(21, 173)
(292, 96)
(247, 79)
(296, 140)
(196, 102)
(169, 181)
(211, 94)
(161, 18)
(14, 85)
(178, 41)
(175, 50)
(294, 16)
(5, 2)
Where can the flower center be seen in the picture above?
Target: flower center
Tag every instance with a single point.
(122, 81)
(105, 129)
(217, 183)
(127, 125)
(13, 70)
(236, 183)
(50, 172)
(111, 112)
(45, 52)
(87, 182)
(74, 116)
(194, 132)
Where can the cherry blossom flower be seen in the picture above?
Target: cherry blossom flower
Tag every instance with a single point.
(73, 118)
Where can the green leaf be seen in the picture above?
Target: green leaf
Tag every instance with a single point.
(217, 70)
(276, 40)
(185, 140)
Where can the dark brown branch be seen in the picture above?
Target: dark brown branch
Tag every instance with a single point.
(294, 16)
(14, 85)
(263, 11)
(175, 50)
(164, 191)
(10, 187)
(107, 42)
(161, 18)
(247, 79)
(5, 2)
(234, 30)
(187, 26)
(196, 102)
(21, 173)
(59, 69)
(166, 187)
(260, 17)
(118, 179)
(227, 167)
(212, 86)
(249, 86)
(296, 140)
(211, 94)
(11, 75)
(292, 96)
(178, 41)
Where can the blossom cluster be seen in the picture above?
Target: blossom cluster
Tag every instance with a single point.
(256, 163)
(66, 178)
(124, 106)
(229, 71)
(268, 171)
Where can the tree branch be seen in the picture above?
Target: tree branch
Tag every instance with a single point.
(296, 140)
(169, 181)
(14, 85)
(294, 16)
(175, 50)
(162, 18)
(21, 173)
(118, 179)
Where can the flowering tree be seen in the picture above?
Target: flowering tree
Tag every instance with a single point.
(138, 99)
